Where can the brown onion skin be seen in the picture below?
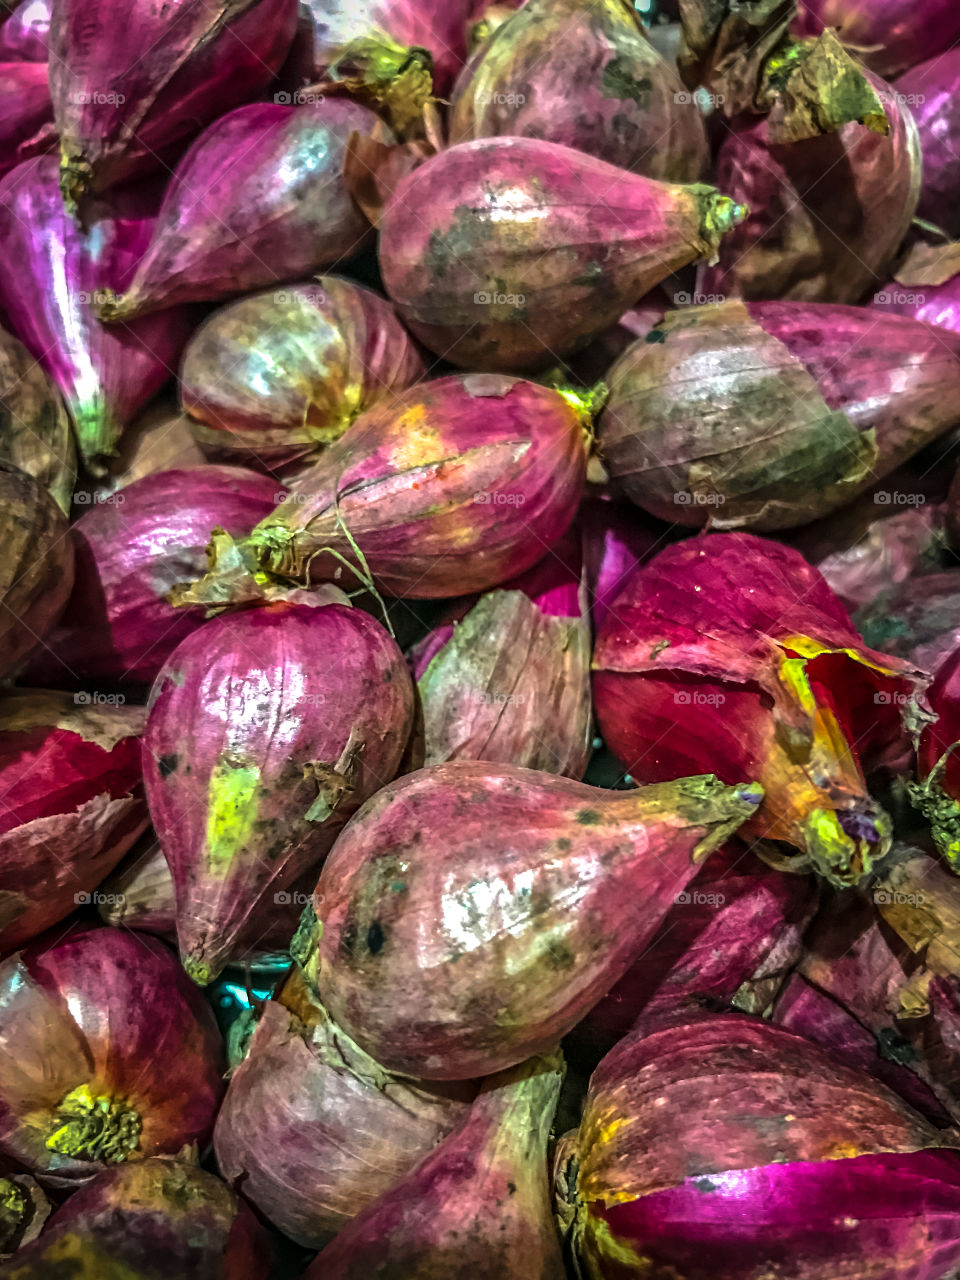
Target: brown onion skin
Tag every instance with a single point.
(159, 439)
(34, 428)
(271, 379)
(102, 1014)
(472, 913)
(38, 565)
(73, 804)
(158, 1219)
(478, 1205)
(312, 1129)
(587, 77)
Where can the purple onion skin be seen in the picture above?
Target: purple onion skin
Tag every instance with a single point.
(157, 1219)
(932, 91)
(25, 107)
(934, 304)
(131, 550)
(478, 1205)
(255, 754)
(115, 113)
(917, 620)
(49, 287)
(617, 538)
(258, 199)
(103, 1014)
(889, 35)
(25, 34)
(587, 77)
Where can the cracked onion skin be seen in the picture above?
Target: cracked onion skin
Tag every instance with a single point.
(273, 378)
(38, 565)
(509, 253)
(267, 728)
(118, 116)
(472, 913)
(158, 1219)
(107, 1054)
(73, 804)
(720, 1145)
(131, 550)
(312, 1129)
(583, 74)
(478, 1205)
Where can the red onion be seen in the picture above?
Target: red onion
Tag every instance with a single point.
(259, 198)
(24, 36)
(477, 1205)
(118, 115)
(34, 428)
(131, 549)
(931, 92)
(255, 755)
(159, 439)
(917, 620)
(451, 487)
(312, 1129)
(107, 1054)
(732, 649)
(719, 1145)
(766, 415)
(472, 913)
(71, 803)
(890, 35)
(616, 539)
(584, 76)
(508, 253)
(25, 107)
(37, 568)
(275, 376)
(157, 1219)
(934, 304)
(937, 793)
(827, 215)
(54, 270)
(139, 894)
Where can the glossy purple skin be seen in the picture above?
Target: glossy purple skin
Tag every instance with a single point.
(24, 35)
(131, 551)
(889, 35)
(933, 93)
(900, 1214)
(25, 107)
(116, 112)
(49, 285)
(617, 538)
(259, 198)
(254, 720)
(936, 304)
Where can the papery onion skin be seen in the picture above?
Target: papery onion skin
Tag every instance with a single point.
(159, 439)
(24, 36)
(889, 35)
(587, 77)
(25, 107)
(540, 892)
(257, 200)
(271, 379)
(478, 1204)
(34, 428)
(766, 415)
(38, 564)
(157, 1219)
(508, 253)
(710, 654)
(916, 620)
(449, 488)
(72, 804)
(312, 1130)
(102, 1018)
(616, 539)
(196, 61)
(54, 272)
(132, 548)
(809, 238)
(931, 90)
(255, 756)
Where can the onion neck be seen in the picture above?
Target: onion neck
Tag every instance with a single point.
(92, 1126)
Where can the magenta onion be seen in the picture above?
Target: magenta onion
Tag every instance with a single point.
(890, 35)
(472, 913)
(25, 35)
(157, 1219)
(616, 538)
(931, 92)
(272, 378)
(54, 270)
(25, 107)
(71, 803)
(258, 199)
(117, 114)
(312, 1129)
(107, 1054)
(479, 1204)
(132, 548)
(255, 754)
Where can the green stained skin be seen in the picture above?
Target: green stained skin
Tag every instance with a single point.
(95, 1127)
(588, 817)
(13, 1209)
(233, 797)
(619, 82)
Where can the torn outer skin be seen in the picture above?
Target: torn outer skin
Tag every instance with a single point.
(937, 791)
(734, 647)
